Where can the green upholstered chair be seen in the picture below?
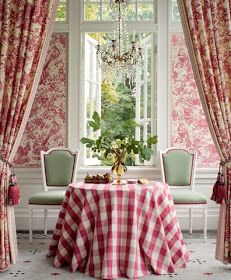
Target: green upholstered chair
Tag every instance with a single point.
(178, 171)
(59, 166)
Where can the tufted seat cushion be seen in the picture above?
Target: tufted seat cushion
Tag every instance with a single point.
(188, 197)
(54, 197)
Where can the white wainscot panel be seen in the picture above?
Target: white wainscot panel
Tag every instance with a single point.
(30, 181)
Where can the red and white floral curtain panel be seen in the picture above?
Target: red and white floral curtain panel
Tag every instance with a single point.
(207, 29)
(25, 28)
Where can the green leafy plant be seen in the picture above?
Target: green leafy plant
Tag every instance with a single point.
(110, 145)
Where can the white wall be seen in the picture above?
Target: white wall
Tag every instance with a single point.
(30, 181)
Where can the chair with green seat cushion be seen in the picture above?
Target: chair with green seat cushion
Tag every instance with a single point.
(188, 197)
(59, 166)
(178, 171)
(47, 198)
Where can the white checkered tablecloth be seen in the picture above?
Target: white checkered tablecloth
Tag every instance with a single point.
(108, 231)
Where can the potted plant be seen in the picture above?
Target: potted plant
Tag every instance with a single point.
(118, 147)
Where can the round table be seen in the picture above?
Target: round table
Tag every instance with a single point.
(109, 231)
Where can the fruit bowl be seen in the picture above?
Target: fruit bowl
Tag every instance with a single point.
(98, 179)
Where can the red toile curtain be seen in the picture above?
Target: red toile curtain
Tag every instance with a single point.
(25, 28)
(207, 29)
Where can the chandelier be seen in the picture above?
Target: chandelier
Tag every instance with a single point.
(120, 56)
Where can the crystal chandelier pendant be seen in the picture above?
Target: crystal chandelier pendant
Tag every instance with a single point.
(121, 57)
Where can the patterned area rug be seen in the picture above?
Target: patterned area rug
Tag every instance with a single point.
(33, 264)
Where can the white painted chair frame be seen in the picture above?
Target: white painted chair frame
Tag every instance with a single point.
(31, 207)
(204, 206)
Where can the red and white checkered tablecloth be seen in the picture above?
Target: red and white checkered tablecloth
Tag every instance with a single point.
(109, 231)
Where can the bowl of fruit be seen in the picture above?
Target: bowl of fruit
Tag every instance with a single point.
(98, 179)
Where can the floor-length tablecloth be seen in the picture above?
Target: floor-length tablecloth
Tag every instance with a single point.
(109, 231)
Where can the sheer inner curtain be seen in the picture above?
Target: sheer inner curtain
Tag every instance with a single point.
(207, 29)
(25, 28)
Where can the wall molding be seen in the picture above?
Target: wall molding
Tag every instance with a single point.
(30, 181)
(205, 175)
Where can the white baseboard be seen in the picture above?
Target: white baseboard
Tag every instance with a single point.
(182, 214)
(22, 219)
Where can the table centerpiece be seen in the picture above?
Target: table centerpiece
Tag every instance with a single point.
(118, 147)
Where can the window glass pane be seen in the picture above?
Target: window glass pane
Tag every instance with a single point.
(149, 132)
(142, 74)
(145, 11)
(135, 10)
(175, 11)
(87, 90)
(149, 66)
(142, 102)
(92, 11)
(130, 12)
(116, 99)
(61, 14)
(141, 132)
(149, 100)
(107, 13)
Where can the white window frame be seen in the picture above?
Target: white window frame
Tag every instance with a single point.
(75, 99)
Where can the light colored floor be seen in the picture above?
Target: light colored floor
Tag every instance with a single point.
(33, 264)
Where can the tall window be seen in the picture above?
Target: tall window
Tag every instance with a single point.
(118, 100)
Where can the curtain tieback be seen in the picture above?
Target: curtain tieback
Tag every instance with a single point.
(7, 162)
(225, 163)
(219, 194)
(13, 187)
